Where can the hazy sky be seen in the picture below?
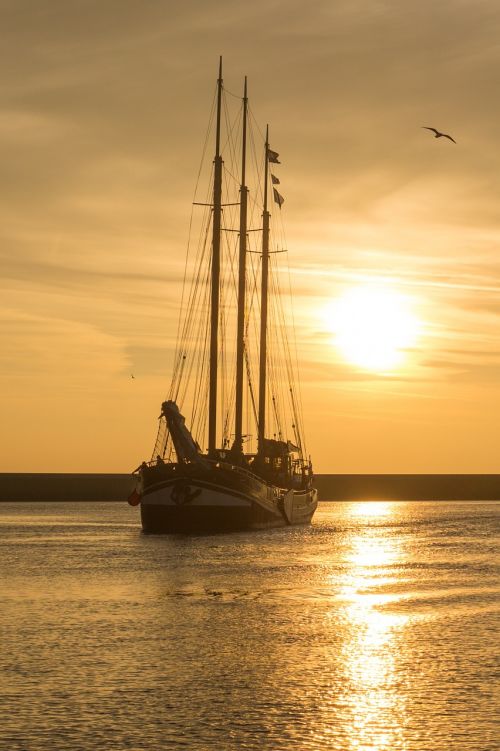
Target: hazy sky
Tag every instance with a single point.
(102, 118)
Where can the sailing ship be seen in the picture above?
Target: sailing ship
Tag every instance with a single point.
(234, 380)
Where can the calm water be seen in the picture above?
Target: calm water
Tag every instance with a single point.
(375, 628)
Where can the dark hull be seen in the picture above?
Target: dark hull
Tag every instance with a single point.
(188, 499)
(158, 519)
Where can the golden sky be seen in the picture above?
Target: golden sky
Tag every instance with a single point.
(103, 114)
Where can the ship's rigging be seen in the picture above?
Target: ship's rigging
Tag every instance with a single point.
(236, 383)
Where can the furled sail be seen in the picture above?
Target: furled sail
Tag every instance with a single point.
(186, 448)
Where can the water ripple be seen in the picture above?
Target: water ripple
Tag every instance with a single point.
(374, 629)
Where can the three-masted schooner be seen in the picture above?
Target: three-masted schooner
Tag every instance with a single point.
(256, 476)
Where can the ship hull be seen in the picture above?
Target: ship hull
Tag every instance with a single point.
(207, 502)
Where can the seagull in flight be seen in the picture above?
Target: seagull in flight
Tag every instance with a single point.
(438, 134)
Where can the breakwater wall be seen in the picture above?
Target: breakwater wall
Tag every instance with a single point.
(409, 487)
(331, 487)
(65, 487)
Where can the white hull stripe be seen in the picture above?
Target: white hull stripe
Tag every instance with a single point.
(267, 501)
(196, 496)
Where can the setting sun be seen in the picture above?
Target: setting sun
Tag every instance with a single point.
(373, 326)
(249, 375)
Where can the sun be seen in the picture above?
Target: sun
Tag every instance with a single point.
(373, 326)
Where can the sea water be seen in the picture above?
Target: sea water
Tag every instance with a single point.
(374, 628)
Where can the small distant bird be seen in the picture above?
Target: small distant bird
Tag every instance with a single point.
(132, 375)
(438, 134)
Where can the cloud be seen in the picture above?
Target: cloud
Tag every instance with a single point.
(103, 115)
(44, 354)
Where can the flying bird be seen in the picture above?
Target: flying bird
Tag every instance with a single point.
(132, 375)
(438, 133)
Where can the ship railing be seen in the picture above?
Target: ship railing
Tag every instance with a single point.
(217, 463)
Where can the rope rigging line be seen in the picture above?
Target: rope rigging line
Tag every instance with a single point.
(201, 370)
(162, 438)
(190, 308)
(189, 386)
(252, 323)
(287, 361)
(296, 359)
(192, 319)
(200, 169)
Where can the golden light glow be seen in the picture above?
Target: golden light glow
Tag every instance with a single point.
(370, 656)
(373, 326)
(371, 508)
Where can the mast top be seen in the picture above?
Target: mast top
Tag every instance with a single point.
(244, 137)
(266, 169)
(219, 103)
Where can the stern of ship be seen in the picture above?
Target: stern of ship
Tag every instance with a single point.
(216, 498)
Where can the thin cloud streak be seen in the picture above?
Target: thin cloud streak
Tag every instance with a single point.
(394, 280)
(101, 125)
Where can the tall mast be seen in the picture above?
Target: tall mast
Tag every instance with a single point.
(240, 342)
(263, 306)
(214, 301)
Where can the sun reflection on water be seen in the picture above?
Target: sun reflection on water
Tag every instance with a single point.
(370, 654)
(371, 508)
